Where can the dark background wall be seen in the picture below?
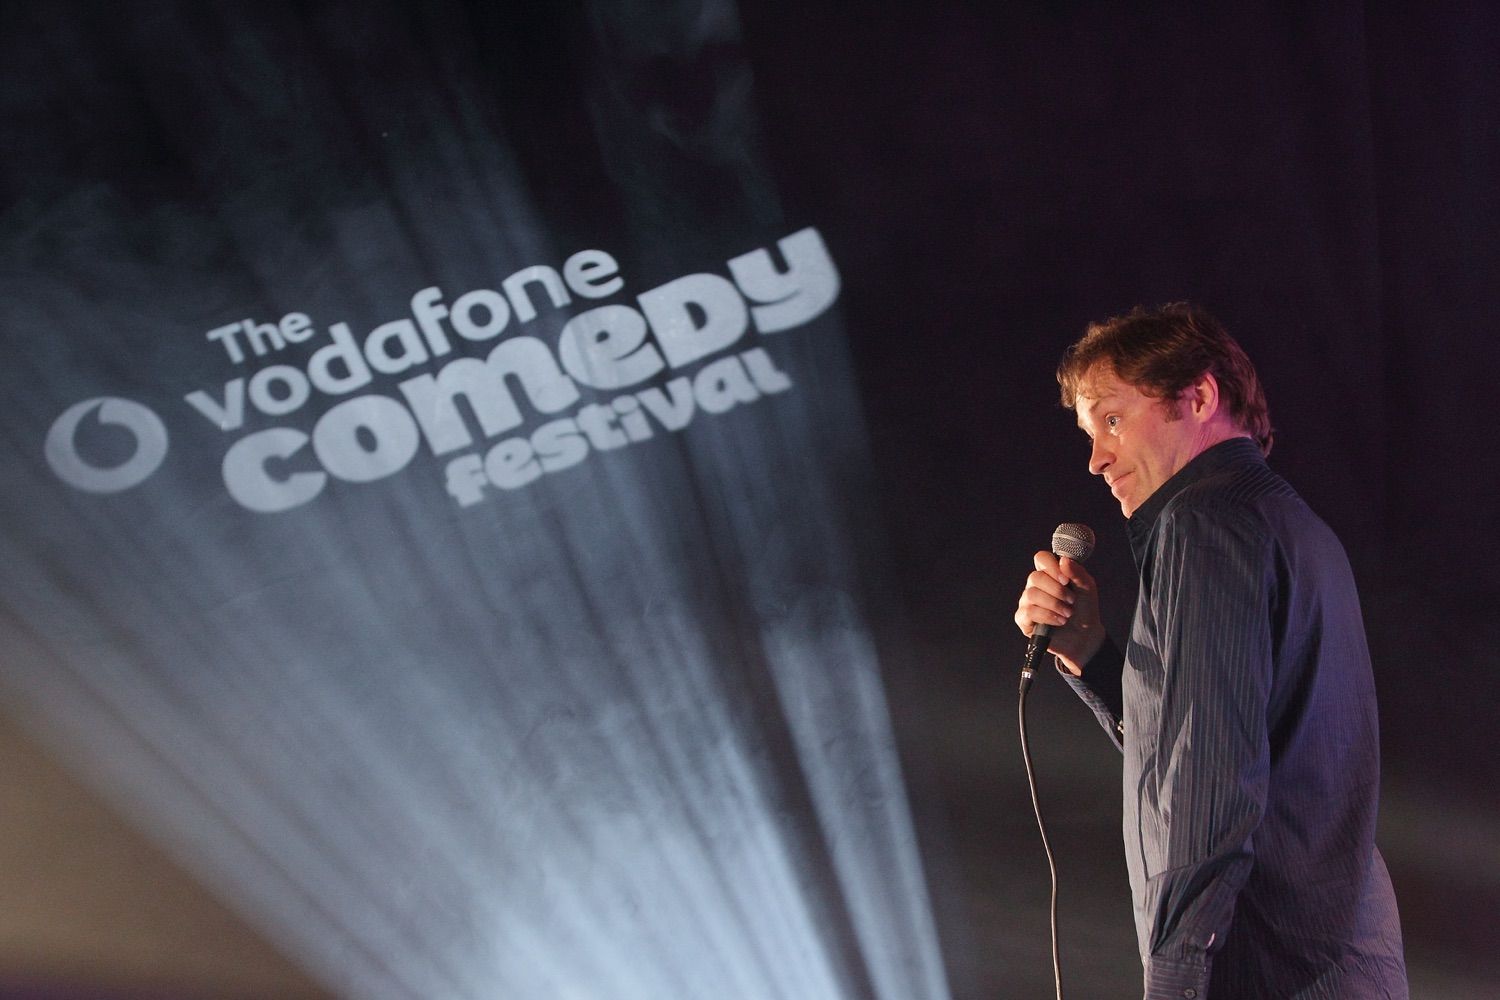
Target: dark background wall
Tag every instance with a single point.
(1320, 178)
(1323, 179)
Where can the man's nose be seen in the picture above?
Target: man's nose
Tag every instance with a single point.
(1100, 457)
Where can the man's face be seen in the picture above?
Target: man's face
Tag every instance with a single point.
(1138, 443)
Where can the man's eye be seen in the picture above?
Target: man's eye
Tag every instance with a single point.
(1111, 421)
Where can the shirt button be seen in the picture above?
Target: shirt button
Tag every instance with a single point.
(1189, 993)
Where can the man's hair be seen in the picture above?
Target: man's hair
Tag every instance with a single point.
(1163, 351)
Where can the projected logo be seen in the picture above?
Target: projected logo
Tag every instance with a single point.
(685, 335)
(66, 455)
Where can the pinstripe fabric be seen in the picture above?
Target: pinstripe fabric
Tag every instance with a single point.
(1245, 709)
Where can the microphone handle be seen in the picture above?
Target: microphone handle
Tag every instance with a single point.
(1036, 648)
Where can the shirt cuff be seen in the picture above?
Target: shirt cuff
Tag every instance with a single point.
(1099, 687)
(1169, 979)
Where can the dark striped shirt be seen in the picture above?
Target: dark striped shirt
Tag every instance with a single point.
(1245, 708)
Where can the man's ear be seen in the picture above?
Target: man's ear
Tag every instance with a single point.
(1201, 399)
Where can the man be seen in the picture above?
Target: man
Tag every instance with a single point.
(1243, 701)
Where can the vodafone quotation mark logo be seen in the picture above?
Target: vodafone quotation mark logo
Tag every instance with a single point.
(72, 468)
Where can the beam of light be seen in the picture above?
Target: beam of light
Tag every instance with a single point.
(619, 735)
(441, 837)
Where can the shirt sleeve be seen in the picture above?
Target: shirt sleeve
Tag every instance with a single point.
(1099, 687)
(1208, 764)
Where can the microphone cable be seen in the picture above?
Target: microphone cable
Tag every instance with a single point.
(1036, 807)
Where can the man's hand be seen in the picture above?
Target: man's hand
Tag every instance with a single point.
(1061, 593)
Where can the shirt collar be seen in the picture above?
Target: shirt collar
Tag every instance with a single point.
(1203, 465)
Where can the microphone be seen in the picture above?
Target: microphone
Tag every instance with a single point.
(1076, 541)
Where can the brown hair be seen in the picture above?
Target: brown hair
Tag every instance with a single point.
(1163, 351)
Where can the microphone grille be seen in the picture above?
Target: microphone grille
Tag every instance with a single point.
(1073, 540)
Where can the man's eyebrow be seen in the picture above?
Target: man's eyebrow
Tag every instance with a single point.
(1095, 403)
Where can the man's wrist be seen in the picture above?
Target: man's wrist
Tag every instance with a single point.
(1067, 666)
(1074, 663)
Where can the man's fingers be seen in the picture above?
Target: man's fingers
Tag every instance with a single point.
(1023, 621)
(1049, 598)
(1045, 584)
(1046, 562)
(1073, 572)
(1028, 618)
(1041, 605)
(1060, 593)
